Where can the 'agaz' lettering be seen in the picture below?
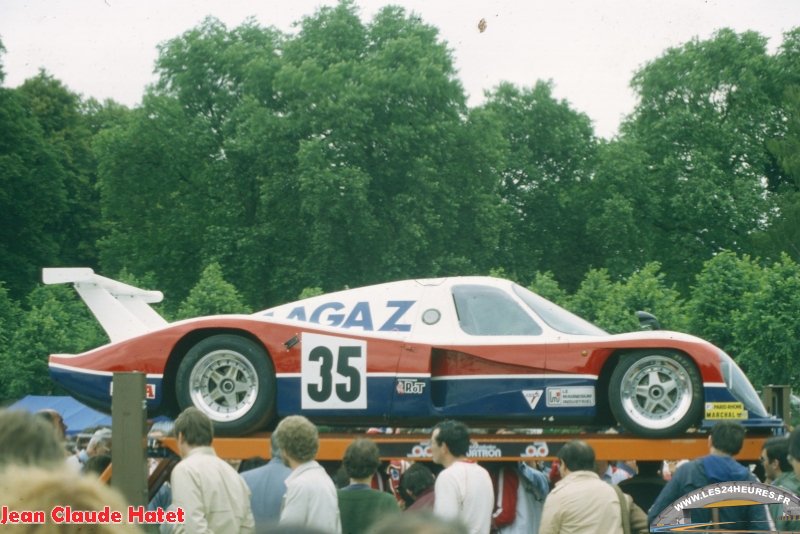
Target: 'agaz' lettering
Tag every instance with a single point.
(334, 314)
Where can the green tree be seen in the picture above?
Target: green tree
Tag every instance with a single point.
(351, 161)
(99, 116)
(725, 282)
(33, 196)
(401, 185)
(612, 305)
(212, 295)
(54, 321)
(783, 232)
(2, 72)
(705, 113)
(647, 290)
(155, 193)
(179, 185)
(549, 155)
(59, 112)
(618, 227)
(786, 87)
(545, 285)
(599, 300)
(766, 330)
(209, 69)
(10, 317)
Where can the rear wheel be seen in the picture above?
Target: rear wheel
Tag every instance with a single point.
(230, 379)
(656, 393)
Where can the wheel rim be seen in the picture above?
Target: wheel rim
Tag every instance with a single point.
(224, 385)
(656, 392)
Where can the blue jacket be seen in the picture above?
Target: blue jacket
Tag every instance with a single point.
(267, 486)
(710, 470)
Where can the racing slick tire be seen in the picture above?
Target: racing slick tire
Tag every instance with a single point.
(656, 393)
(230, 379)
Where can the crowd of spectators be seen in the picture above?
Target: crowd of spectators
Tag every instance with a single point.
(453, 494)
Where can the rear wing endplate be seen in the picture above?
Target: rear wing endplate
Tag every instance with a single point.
(123, 311)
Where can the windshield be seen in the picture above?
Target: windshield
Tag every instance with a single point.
(557, 317)
(489, 311)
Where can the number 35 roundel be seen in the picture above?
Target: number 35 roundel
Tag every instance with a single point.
(333, 373)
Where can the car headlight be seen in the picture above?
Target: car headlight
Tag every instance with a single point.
(740, 386)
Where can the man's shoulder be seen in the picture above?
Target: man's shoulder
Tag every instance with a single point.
(266, 471)
(789, 481)
(588, 480)
(690, 469)
(368, 494)
(457, 469)
(205, 463)
(467, 465)
(311, 474)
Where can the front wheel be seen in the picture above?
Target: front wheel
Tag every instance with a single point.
(656, 393)
(230, 379)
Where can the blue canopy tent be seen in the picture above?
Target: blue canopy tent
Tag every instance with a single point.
(77, 416)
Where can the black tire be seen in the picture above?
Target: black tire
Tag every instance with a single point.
(230, 379)
(656, 393)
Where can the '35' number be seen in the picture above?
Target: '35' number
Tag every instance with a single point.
(348, 391)
(334, 372)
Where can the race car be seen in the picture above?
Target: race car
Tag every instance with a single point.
(482, 350)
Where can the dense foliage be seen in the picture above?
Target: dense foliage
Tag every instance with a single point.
(264, 166)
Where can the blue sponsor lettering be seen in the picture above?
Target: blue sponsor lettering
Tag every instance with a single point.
(334, 319)
(391, 324)
(359, 317)
(299, 313)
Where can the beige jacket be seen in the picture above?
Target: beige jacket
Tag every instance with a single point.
(581, 503)
(213, 496)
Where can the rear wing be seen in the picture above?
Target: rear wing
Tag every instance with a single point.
(122, 310)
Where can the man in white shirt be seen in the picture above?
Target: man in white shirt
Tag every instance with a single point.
(463, 489)
(212, 495)
(310, 499)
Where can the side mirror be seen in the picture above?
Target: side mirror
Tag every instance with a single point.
(647, 321)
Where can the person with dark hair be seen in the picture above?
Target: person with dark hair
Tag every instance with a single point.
(775, 459)
(96, 465)
(55, 419)
(28, 439)
(581, 501)
(416, 486)
(779, 473)
(463, 489)
(646, 484)
(267, 486)
(726, 440)
(310, 499)
(211, 493)
(359, 505)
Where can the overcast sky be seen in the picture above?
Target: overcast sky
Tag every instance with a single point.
(588, 48)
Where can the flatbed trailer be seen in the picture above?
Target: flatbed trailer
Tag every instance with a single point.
(494, 447)
(485, 448)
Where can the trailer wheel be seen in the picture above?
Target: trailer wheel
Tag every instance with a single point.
(230, 379)
(656, 393)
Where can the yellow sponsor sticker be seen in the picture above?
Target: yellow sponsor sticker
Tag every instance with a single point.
(717, 411)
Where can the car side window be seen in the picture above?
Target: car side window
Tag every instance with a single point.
(488, 311)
